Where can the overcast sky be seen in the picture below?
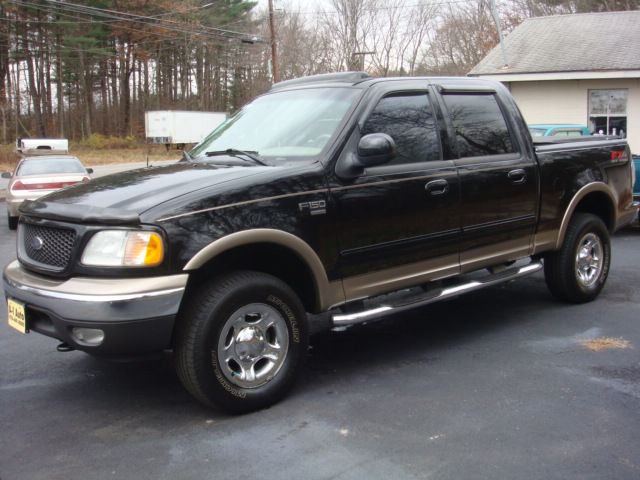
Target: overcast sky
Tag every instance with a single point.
(304, 5)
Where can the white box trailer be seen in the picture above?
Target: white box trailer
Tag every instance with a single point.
(175, 127)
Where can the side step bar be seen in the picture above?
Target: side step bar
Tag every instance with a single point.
(348, 319)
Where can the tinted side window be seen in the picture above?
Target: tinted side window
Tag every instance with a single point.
(479, 125)
(409, 120)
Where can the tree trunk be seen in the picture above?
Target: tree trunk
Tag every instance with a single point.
(36, 98)
(86, 100)
(125, 89)
(4, 69)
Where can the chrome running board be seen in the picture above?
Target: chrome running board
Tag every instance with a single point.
(348, 319)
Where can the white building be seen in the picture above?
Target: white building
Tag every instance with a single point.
(581, 68)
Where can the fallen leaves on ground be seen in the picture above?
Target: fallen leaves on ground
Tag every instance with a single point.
(605, 343)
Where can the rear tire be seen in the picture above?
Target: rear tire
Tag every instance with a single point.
(12, 221)
(578, 271)
(241, 341)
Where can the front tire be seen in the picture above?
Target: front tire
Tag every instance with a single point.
(578, 271)
(241, 341)
(12, 221)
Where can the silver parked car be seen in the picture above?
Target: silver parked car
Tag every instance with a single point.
(37, 176)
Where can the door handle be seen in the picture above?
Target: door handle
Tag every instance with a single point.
(517, 176)
(437, 187)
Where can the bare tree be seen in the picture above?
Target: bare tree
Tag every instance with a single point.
(399, 35)
(387, 39)
(465, 35)
(348, 26)
(304, 49)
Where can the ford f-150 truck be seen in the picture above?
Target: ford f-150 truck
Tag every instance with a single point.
(329, 201)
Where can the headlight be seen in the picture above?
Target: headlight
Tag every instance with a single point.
(124, 248)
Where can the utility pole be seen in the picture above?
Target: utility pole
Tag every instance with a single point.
(274, 51)
(362, 57)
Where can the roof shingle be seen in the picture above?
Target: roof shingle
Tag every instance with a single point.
(569, 43)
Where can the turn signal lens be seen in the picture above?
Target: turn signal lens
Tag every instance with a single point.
(124, 248)
(143, 248)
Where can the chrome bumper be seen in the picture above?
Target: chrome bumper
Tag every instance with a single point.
(136, 314)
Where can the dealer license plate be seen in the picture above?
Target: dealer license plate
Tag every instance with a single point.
(17, 317)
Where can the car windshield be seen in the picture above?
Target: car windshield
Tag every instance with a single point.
(537, 132)
(289, 125)
(50, 166)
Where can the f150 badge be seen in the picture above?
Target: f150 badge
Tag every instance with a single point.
(317, 207)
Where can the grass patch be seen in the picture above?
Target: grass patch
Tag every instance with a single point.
(8, 158)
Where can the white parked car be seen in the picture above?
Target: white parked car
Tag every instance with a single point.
(38, 146)
(37, 176)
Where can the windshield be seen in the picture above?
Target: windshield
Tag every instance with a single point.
(50, 166)
(283, 125)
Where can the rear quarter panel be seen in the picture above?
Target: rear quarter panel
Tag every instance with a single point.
(566, 168)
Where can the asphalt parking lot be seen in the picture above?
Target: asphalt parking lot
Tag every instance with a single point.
(504, 383)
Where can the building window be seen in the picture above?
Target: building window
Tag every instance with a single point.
(608, 112)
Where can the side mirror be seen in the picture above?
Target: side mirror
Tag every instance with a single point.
(373, 149)
(376, 149)
(6, 175)
(89, 170)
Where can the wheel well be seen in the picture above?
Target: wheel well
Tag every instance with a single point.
(267, 258)
(599, 204)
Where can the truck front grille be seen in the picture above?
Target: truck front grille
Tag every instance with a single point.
(47, 246)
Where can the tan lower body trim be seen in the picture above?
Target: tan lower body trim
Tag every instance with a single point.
(384, 281)
(489, 255)
(545, 241)
(331, 295)
(389, 280)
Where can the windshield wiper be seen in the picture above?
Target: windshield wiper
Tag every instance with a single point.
(234, 152)
(185, 157)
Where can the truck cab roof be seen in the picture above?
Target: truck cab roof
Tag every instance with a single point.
(364, 80)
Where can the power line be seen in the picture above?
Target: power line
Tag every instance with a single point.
(376, 9)
(124, 16)
(165, 36)
(56, 7)
(75, 22)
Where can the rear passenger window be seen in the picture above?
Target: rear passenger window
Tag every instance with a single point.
(409, 120)
(479, 125)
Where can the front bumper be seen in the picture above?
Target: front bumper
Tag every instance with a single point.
(135, 314)
(13, 204)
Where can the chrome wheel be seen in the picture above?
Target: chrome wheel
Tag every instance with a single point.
(589, 259)
(253, 345)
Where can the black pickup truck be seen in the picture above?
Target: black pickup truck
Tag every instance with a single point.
(329, 201)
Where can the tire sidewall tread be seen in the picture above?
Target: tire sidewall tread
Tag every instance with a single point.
(200, 325)
(12, 222)
(559, 266)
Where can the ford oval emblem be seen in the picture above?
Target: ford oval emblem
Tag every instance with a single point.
(37, 243)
